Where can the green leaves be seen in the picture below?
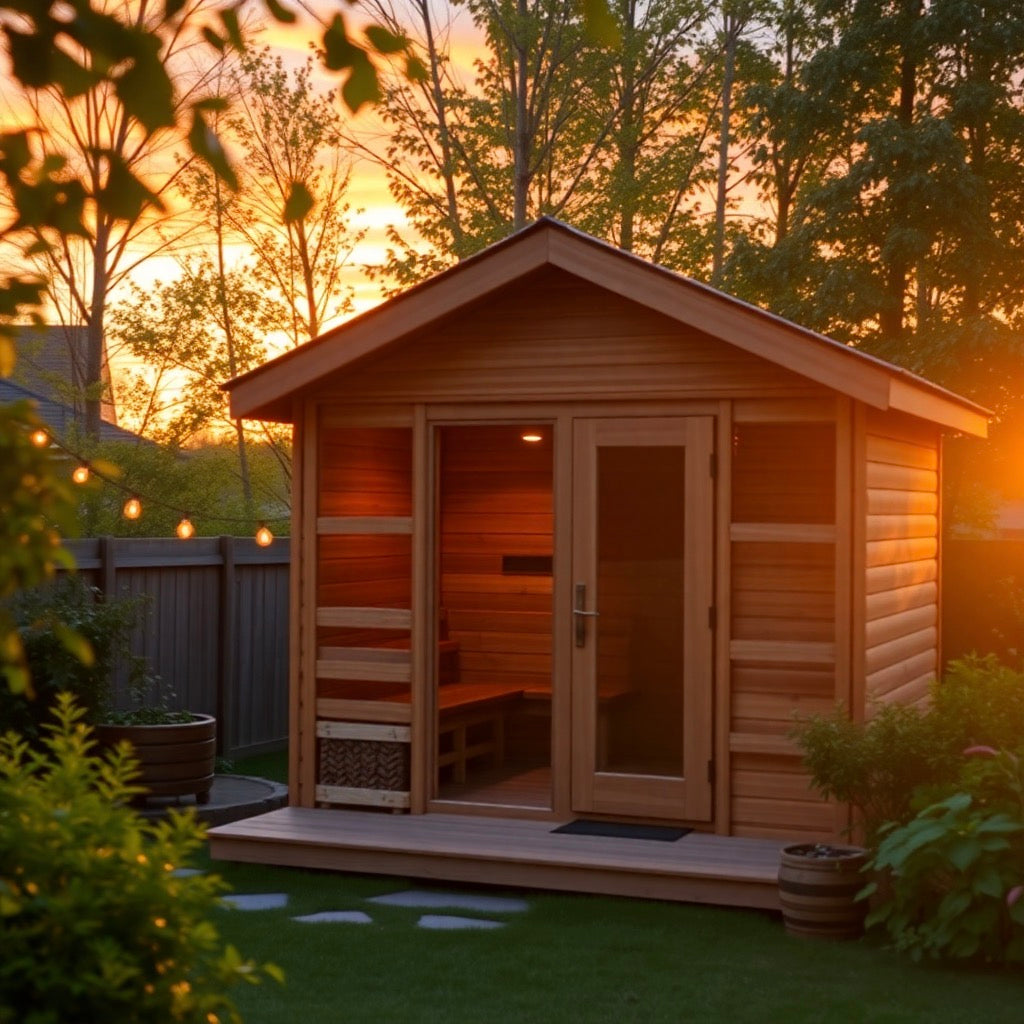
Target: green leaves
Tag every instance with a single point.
(205, 144)
(341, 54)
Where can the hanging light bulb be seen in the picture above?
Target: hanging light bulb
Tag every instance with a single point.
(40, 438)
(80, 474)
(264, 536)
(185, 528)
(132, 508)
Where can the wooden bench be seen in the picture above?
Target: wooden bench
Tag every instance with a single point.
(462, 707)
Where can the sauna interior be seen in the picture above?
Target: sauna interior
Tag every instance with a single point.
(492, 612)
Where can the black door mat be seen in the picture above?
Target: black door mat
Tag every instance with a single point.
(622, 830)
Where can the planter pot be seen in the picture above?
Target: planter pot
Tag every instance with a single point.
(817, 886)
(174, 760)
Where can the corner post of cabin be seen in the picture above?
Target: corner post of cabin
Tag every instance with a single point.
(849, 602)
(858, 561)
(302, 753)
(723, 617)
(424, 616)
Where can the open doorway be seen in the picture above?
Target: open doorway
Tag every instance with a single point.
(494, 675)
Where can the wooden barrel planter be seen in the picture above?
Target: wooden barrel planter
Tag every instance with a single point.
(817, 889)
(174, 760)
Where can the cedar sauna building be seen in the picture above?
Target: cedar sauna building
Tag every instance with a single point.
(575, 537)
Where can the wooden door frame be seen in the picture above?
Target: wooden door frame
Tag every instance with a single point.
(616, 793)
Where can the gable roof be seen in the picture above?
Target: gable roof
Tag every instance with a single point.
(265, 393)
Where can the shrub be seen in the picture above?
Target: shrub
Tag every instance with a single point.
(903, 758)
(956, 870)
(97, 926)
(74, 640)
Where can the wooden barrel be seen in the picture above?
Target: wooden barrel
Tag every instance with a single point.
(174, 760)
(817, 886)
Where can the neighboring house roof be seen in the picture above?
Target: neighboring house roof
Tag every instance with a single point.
(51, 363)
(264, 393)
(61, 418)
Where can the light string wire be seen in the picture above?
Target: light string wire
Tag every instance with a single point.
(133, 505)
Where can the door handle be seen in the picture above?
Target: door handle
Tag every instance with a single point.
(580, 615)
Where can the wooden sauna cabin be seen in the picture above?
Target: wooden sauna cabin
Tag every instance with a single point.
(576, 537)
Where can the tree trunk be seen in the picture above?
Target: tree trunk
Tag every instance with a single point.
(732, 31)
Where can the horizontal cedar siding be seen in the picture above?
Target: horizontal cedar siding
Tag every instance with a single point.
(576, 341)
(782, 631)
(363, 472)
(902, 568)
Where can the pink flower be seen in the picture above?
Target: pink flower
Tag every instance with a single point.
(981, 751)
(1014, 894)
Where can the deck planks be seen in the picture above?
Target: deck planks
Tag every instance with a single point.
(700, 868)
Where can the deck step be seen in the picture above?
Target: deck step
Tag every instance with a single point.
(699, 868)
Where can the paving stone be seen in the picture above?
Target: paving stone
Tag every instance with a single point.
(186, 872)
(444, 923)
(422, 899)
(258, 901)
(328, 916)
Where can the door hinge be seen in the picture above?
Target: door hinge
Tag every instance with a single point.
(711, 770)
(712, 617)
(713, 465)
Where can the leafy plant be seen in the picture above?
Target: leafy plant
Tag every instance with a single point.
(876, 765)
(98, 925)
(956, 870)
(902, 758)
(76, 641)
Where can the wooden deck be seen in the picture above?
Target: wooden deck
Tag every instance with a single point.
(699, 868)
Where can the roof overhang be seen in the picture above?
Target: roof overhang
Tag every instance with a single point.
(268, 391)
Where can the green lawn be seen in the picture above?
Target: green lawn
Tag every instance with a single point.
(272, 766)
(581, 959)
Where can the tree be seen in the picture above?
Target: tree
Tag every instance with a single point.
(107, 145)
(79, 50)
(294, 174)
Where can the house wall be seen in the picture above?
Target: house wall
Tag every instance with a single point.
(901, 560)
(783, 648)
(554, 337)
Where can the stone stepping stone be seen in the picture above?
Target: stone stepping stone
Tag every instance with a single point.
(445, 923)
(258, 901)
(422, 899)
(186, 872)
(330, 916)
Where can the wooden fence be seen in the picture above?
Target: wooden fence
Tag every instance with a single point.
(216, 626)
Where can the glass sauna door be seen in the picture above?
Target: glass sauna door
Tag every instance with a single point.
(642, 583)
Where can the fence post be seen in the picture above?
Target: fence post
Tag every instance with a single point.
(225, 673)
(108, 568)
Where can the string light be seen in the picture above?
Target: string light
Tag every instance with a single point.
(132, 507)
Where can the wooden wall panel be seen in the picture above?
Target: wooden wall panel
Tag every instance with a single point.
(578, 340)
(495, 501)
(783, 618)
(902, 560)
(365, 471)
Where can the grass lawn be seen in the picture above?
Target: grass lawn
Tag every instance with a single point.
(273, 766)
(576, 959)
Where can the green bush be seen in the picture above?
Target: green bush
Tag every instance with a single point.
(956, 870)
(74, 640)
(902, 758)
(96, 924)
